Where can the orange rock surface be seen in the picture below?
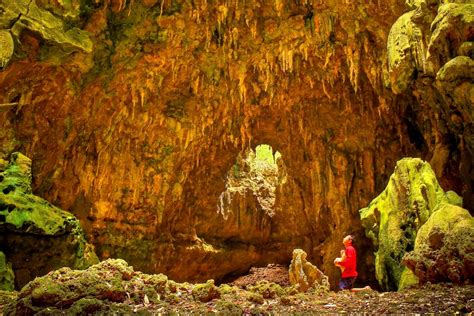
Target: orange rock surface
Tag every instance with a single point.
(138, 137)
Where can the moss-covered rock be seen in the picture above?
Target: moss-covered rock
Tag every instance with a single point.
(228, 308)
(7, 277)
(450, 29)
(6, 48)
(444, 247)
(206, 292)
(255, 297)
(393, 218)
(401, 62)
(267, 289)
(24, 14)
(33, 229)
(109, 286)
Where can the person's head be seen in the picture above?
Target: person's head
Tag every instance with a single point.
(347, 241)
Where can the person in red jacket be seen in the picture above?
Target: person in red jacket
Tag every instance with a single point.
(348, 264)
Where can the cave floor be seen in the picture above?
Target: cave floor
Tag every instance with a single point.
(431, 298)
(440, 298)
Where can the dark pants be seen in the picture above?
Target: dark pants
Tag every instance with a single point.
(346, 283)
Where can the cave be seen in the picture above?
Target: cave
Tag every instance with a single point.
(199, 139)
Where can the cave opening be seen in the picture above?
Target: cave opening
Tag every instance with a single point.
(258, 172)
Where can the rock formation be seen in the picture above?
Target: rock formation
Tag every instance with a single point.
(36, 237)
(444, 247)
(136, 112)
(7, 277)
(394, 218)
(304, 275)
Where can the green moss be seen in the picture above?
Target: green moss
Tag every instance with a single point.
(28, 15)
(7, 277)
(255, 298)
(444, 247)
(7, 297)
(453, 198)
(6, 49)
(206, 291)
(226, 289)
(407, 279)
(400, 61)
(22, 212)
(393, 218)
(87, 306)
(267, 289)
(228, 308)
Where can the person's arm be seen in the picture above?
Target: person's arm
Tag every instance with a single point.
(350, 258)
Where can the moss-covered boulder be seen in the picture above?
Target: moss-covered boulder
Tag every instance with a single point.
(393, 218)
(36, 236)
(107, 287)
(6, 274)
(444, 247)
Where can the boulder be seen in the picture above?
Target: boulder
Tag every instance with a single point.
(305, 275)
(393, 218)
(444, 247)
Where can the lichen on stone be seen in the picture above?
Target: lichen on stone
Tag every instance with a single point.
(393, 218)
(26, 14)
(444, 247)
(206, 292)
(7, 277)
(6, 48)
(24, 214)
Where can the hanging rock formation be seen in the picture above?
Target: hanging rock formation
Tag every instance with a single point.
(393, 219)
(430, 51)
(36, 237)
(136, 133)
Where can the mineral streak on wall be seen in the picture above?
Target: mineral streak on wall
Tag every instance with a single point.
(136, 136)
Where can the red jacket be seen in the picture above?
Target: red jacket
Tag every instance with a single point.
(350, 264)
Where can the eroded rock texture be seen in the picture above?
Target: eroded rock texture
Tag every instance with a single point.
(305, 275)
(403, 216)
(36, 237)
(444, 247)
(138, 138)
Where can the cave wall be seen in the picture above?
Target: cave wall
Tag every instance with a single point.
(137, 136)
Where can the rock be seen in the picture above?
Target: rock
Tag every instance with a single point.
(24, 14)
(137, 138)
(101, 287)
(33, 230)
(7, 277)
(401, 63)
(444, 247)
(455, 80)
(450, 29)
(393, 218)
(305, 275)
(6, 48)
(206, 292)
